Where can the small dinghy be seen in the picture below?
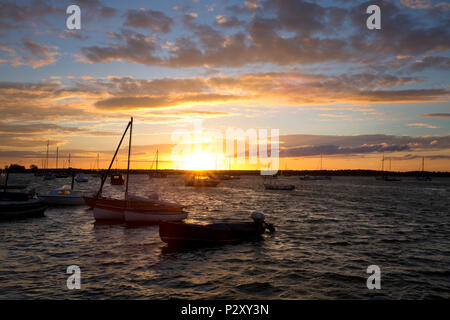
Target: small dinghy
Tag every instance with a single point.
(187, 234)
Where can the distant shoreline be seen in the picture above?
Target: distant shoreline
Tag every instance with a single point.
(257, 172)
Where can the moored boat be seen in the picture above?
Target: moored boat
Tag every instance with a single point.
(201, 181)
(268, 186)
(186, 234)
(17, 205)
(132, 208)
(63, 196)
(117, 180)
(81, 178)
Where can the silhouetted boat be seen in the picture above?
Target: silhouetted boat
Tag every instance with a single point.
(187, 234)
(17, 205)
(157, 173)
(423, 177)
(275, 185)
(132, 208)
(313, 178)
(81, 178)
(385, 177)
(117, 179)
(201, 181)
(63, 196)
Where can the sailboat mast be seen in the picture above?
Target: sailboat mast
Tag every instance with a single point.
(157, 158)
(129, 154)
(423, 164)
(46, 158)
(99, 192)
(57, 153)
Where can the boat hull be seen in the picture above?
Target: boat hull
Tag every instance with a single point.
(182, 234)
(135, 210)
(62, 201)
(209, 183)
(108, 214)
(22, 209)
(279, 187)
(153, 217)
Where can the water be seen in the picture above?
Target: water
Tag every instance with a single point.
(328, 233)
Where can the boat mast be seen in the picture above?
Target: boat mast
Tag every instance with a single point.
(105, 175)
(57, 152)
(423, 164)
(129, 154)
(46, 158)
(156, 160)
(98, 162)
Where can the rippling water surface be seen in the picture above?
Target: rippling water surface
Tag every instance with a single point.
(328, 233)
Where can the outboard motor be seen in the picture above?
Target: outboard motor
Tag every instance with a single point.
(258, 217)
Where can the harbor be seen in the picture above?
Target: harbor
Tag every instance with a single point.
(325, 231)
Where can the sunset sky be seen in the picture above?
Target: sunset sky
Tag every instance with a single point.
(310, 69)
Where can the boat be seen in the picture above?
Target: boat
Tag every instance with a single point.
(270, 184)
(63, 196)
(423, 177)
(49, 176)
(117, 180)
(23, 204)
(63, 175)
(17, 209)
(279, 186)
(156, 173)
(132, 208)
(384, 176)
(14, 187)
(201, 181)
(187, 234)
(315, 178)
(81, 178)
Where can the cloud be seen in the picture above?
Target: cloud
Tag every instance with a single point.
(422, 125)
(437, 115)
(148, 19)
(137, 48)
(37, 55)
(431, 62)
(425, 4)
(313, 145)
(230, 22)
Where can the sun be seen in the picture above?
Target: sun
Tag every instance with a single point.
(199, 161)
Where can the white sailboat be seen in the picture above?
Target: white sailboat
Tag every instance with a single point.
(132, 208)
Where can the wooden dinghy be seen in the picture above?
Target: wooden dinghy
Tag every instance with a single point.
(187, 234)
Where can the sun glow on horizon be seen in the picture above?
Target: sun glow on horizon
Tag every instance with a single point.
(199, 161)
